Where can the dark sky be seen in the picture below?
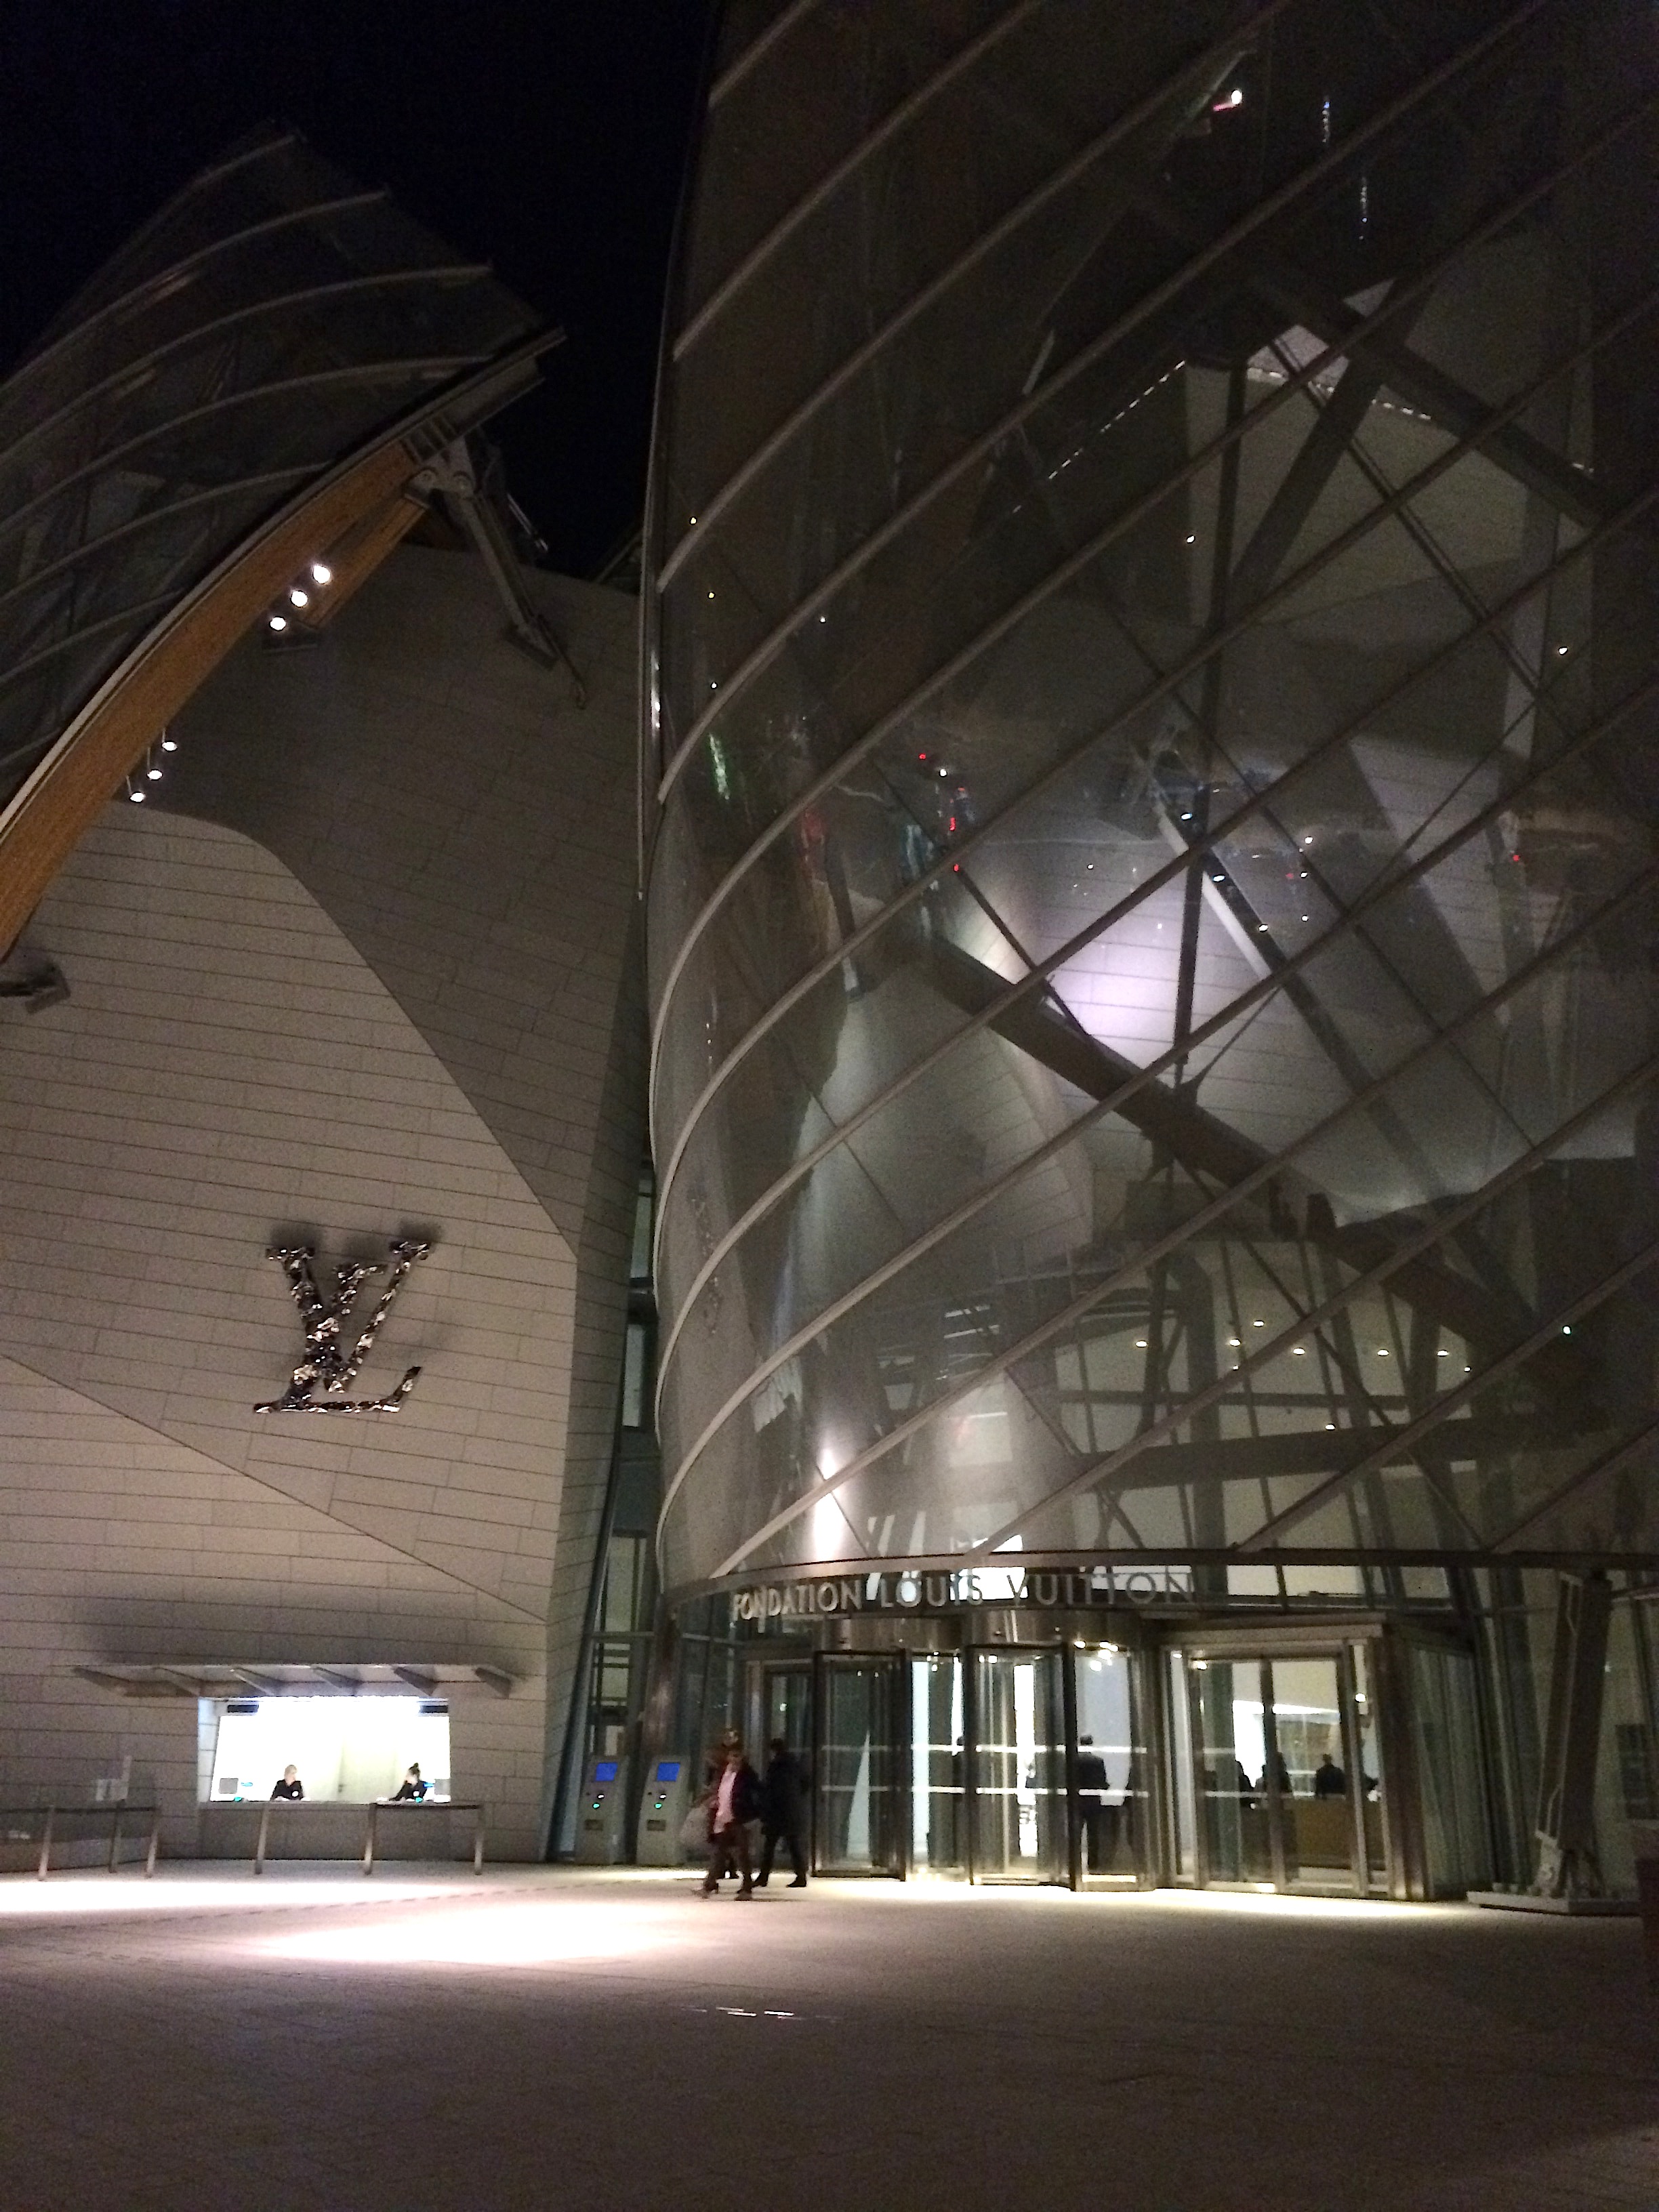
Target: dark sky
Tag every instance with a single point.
(546, 136)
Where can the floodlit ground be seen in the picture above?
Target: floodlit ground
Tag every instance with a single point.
(432, 2043)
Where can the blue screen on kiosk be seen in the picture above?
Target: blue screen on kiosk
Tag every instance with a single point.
(606, 1770)
(668, 1770)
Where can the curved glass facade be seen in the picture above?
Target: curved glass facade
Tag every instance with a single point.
(1152, 680)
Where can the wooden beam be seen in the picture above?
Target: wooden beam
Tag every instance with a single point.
(353, 559)
(116, 728)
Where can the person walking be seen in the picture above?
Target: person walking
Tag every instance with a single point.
(783, 1813)
(734, 1802)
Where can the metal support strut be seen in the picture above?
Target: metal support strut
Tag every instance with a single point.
(455, 475)
(1567, 1864)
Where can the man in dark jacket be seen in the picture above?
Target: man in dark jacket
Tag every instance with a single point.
(734, 1802)
(783, 1813)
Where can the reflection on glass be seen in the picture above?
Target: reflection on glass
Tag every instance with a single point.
(855, 1829)
(1226, 1702)
(938, 1836)
(789, 1708)
(1457, 1854)
(1183, 1768)
(1315, 1812)
(1366, 1736)
(1018, 1774)
(1109, 1768)
(1258, 690)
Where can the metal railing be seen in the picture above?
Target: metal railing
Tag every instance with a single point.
(52, 1814)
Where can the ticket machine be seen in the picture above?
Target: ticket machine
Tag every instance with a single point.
(663, 1808)
(600, 1812)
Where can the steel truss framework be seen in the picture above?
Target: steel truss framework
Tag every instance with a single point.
(1151, 746)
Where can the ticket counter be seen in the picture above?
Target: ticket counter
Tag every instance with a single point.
(347, 1751)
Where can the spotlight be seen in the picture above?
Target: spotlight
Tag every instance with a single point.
(299, 599)
(169, 744)
(137, 796)
(279, 622)
(154, 774)
(322, 574)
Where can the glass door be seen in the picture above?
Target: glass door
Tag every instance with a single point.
(938, 1831)
(1277, 1780)
(781, 1704)
(856, 1831)
(1230, 1750)
(1109, 1770)
(785, 1710)
(1018, 1767)
(1307, 1776)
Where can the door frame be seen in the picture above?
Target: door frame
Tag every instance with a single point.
(802, 1660)
(1260, 1644)
(1062, 1794)
(896, 1838)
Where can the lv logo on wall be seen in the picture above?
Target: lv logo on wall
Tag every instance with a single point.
(327, 1364)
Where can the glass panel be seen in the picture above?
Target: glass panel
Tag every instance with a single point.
(938, 1833)
(1018, 1769)
(1366, 1734)
(1317, 1822)
(1109, 1768)
(1456, 1853)
(855, 1827)
(1182, 1768)
(788, 1708)
(1226, 1707)
(1059, 601)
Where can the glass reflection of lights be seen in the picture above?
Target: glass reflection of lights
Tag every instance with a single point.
(1137, 859)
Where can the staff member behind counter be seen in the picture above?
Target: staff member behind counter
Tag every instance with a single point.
(290, 1785)
(410, 1790)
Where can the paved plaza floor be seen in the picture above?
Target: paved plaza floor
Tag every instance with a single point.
(546, 2039)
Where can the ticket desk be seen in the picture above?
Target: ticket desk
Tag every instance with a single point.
(407, 1810)
(329, 1828)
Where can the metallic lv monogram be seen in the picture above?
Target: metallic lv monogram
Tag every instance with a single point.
(326, 1361)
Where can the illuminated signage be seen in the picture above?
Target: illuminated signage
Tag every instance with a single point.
(912, 1591)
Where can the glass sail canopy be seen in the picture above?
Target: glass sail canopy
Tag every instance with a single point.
(272, 323)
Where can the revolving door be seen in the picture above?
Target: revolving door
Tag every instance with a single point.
(1002, 1765)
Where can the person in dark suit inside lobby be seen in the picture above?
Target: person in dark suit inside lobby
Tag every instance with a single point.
(1092, 1784)
(783, 1813)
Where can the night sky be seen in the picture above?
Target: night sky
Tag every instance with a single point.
(548, 137)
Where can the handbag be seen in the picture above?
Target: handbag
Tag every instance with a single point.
(694, 1828)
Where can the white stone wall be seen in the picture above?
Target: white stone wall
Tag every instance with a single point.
(472, 832)
(392, 999)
